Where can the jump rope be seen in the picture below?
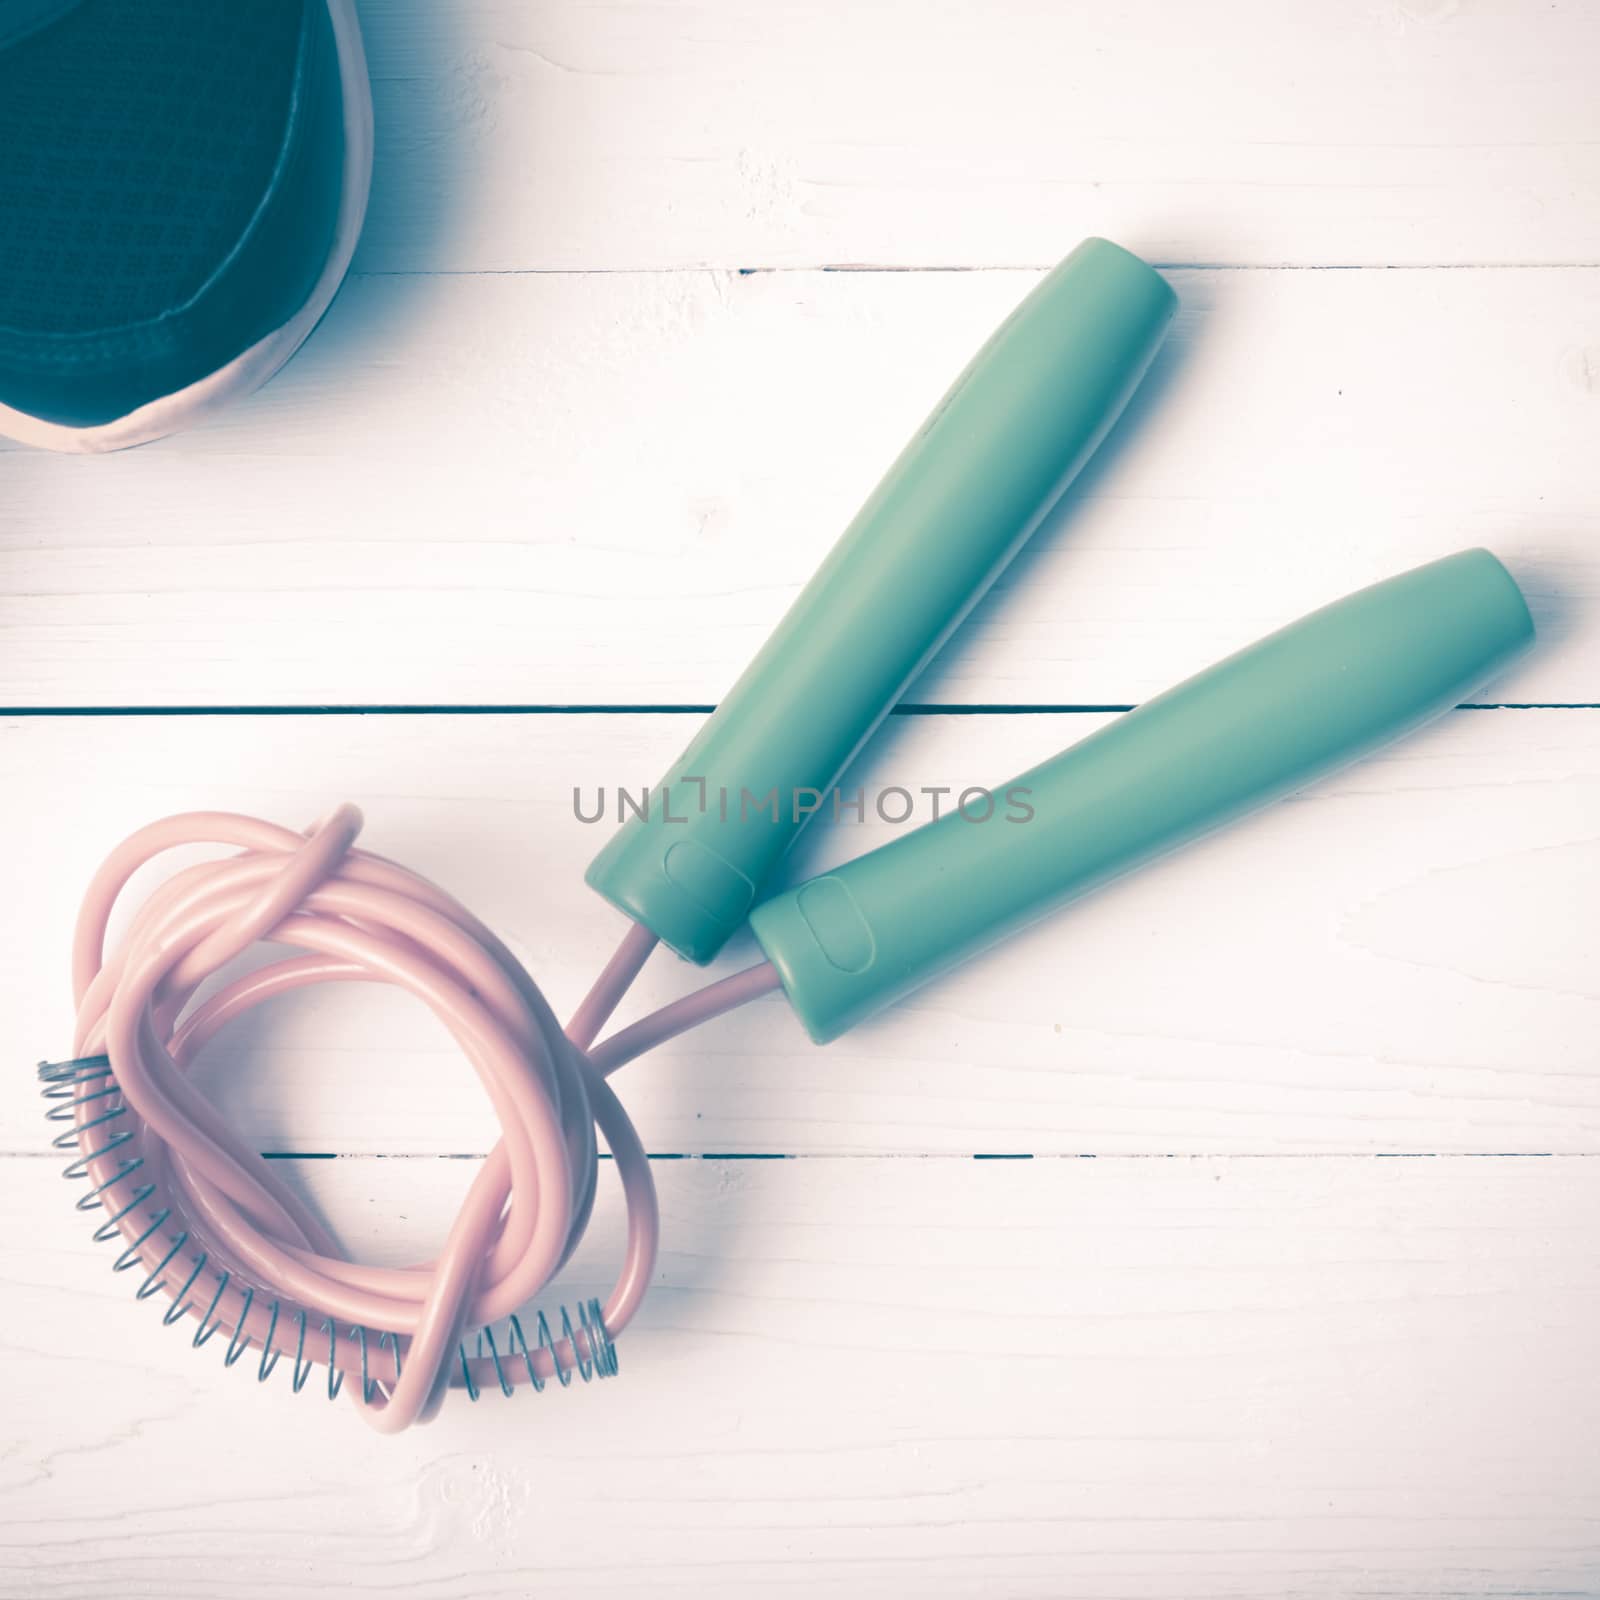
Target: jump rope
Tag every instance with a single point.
(210, 1226)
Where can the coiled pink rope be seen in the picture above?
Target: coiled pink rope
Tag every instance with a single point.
(236, 1244)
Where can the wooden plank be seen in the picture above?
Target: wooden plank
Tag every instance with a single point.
(805, 132)
(1400, 960)
(606, 489)
(1121, 1378)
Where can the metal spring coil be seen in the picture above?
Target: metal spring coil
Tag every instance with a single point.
(583, 1346)
(209, 1223)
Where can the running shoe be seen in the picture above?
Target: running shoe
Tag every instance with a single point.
(181, 187)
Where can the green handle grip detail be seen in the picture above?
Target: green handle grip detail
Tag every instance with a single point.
(962, 499)
(1266, 721)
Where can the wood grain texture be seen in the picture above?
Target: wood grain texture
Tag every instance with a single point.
(1400, 960)
(743, 133)
(605, 489)
(574, 435)
(1213, 1378)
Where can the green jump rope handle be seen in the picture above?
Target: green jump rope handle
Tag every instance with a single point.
(1284, 711)
(962, 499)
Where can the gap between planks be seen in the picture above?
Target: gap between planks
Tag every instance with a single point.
(931, 1155)
(646, 710)
(776, 269)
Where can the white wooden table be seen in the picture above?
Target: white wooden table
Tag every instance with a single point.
(650, 296)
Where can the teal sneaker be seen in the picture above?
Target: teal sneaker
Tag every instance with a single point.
(181, 187)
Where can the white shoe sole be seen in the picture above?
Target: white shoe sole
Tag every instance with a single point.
(249, 370)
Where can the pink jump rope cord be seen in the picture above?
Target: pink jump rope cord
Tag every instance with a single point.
(214, 1226)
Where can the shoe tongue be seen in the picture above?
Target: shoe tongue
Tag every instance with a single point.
(19, 18)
